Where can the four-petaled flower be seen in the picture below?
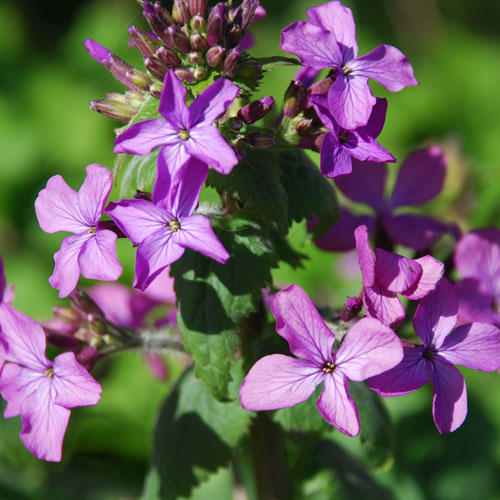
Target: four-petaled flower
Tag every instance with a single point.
(40, 391)
(389, 274)
(165, 227)
(328, 40)
(184, 132)
(91, 250)
(279, 381)
(474, 345)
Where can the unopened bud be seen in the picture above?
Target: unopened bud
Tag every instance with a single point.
(168, 57)
(155, 68)
(247, 9)
(216, 24)
(180, 12)
(261, 141)
(215, 55)
(143, 195)
(232, 61)
(197, 7)
(321, 87)
(84, 303)
(139, 79)
(293, 96)
(61, 340)
(195, 58)
(303, 126)
(179, 38)
(199, 73)
(163, 14)
(155, 89)
(235, 123)
(234, 35)
(157, 23)
(141, 42)
(198, 42)
(117, 111)
(87, 357)
(313, 142)
(184, 75)
(198, 24)
(351, 309)
(256, 110)
(67, 315)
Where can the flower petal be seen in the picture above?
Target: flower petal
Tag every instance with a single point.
(335, 160)
(173, 102)
(408, 376)
(278, 381)
(336, 405)
(384, 305)
(449, 404)
(365, 148)
(474, 345)
(351, 101)
(313, 45)
(334, 17)
(369, 348)
(97, 259)
(94, 193)
(365, 256)
(142, 137)
(388, 66)
(73, 384)
(436, 315)
(394, 272)
(432, 272)
(212, 102)
(197, 233)
(155, 253)
(428, 164)
(365, 184)
(475, 303)
(57, 208)
(299, 322)
(414, 231)
(67, 269)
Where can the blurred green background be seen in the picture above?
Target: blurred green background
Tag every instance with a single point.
(46, 127)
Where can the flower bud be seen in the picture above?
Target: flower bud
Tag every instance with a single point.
(67, 315)
(234, 35)
(140, 41)
(61, 339)
(313, 142)
(321, 87)
(235, 123)
(351, 309)
(198, 42)
(142, 195)
(168, 57)
(215, 55)
(303, 126)
(87, 357)
(255, 110)
(155, 68)
(179, 38)
(83, 303)
(138, 78)
(247, 9)
(199, 73)
(155, 89)
(197, 7)
(117, 111)
(261, 141)
(195, 58)
(162, 14)
(180, 12)
(184, 75)
(293, 96)
(232, 61)
(198, 24)
(216, 24)
(157, 23)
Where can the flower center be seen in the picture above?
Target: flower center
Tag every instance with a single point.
(49, 372)
(91, 230)
(347, 70)
(183, 134)
(174, 225)
(343, 136)
(429, 353)
(329, 367)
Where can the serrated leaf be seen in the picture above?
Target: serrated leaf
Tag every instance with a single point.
(303, 417)
(214, 298)
(256, 181)
(309, 192)
(193, 436)
(377, 432)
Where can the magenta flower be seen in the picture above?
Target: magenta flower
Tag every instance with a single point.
(477, 258)
(340, 145)
(279, 381)
(184, 132)
(328, 40)
(165, 227)
(91, 250)
(367, 184)
(388, 274)
(474, 345)
(42, 392)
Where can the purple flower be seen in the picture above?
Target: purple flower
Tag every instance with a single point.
(91, 250)
(341, 145)
(477, 258)
(165, 227)
(388, 274)
(474, 345)
(40, 391)
(367, 183)
(6, 292)
(279, 381)
(184, 132)
(328, 40)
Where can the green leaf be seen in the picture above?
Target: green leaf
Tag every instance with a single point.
(303, 417)
(285, 251)
(214, 298)
(309, 192)
(377, 431)
(272, 62)
(193, 436)
(256, 181)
